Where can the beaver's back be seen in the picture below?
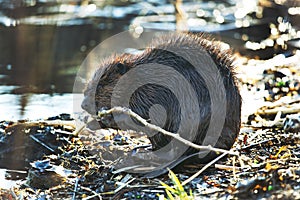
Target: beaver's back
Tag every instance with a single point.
(206, 70)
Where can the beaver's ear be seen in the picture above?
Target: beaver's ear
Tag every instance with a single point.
(122, 68)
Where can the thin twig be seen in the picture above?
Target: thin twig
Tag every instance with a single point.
(92, 196)
(227, 167)
(16, 171)
(79, 130)
(204, 168)
(123, 185)
(95, 194)
(42, 143)
(258, 143)
(157, 128)
(234, 169)
(75, 189)
(125, 169)
(12, 192)
(283, 109)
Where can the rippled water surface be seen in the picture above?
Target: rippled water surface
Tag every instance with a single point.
(43, 43)
(34, 106)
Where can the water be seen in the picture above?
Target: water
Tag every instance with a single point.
(40, 56)
(34, 106)
(42, 47)
(43, 43)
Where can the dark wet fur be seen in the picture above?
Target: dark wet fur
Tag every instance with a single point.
(150, 94)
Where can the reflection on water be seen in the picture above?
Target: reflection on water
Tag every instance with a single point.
(43, 42)
(46, 57)
(42, 45)
(34, 106)
(38, 65)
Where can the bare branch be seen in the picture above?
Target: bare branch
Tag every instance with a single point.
(176, 136)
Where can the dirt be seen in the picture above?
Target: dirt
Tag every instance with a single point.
(60, 164)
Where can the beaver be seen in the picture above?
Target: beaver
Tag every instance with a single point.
(173, 51)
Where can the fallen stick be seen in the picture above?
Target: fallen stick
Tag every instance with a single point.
(203, 168)
(176, 136)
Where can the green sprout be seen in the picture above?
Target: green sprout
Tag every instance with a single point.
(176, 191)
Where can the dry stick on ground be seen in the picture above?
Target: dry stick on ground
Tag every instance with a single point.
(12, 192)
(42, 143)
(75, 188)
(106, 193)
(288, 109)
(234, 168)
(176, 136)
(258, 143)
(95, 194)
(203, 168)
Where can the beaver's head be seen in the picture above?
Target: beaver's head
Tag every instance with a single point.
(98, 92)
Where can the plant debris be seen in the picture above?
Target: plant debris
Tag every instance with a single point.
(63, 165)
